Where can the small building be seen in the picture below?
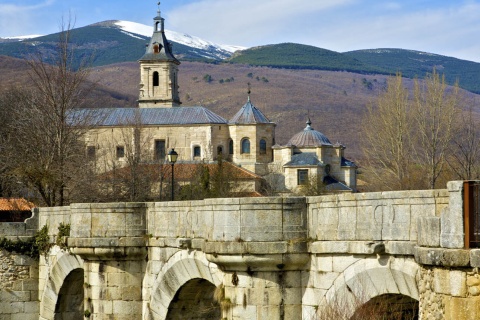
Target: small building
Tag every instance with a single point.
(15, 209)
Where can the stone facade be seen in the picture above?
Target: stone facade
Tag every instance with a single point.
(264, 258)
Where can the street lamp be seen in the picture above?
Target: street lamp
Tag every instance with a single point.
(172, 158)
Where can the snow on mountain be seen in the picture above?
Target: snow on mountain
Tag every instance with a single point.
(20, 38)
(133, 28)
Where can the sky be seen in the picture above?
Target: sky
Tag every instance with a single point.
(450, 28)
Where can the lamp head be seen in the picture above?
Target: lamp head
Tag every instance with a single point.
(172, 156)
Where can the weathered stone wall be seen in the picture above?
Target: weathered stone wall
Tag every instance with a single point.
(19, 274)
(273, 258)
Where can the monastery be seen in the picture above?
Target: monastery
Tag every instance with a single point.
(160, 123)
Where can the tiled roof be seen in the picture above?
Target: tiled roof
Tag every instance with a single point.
(110, 117)
(309, 138)
(348, 163)
(7, 204)
(333, 184)
(249, 114)
(187, 171)
(304, 159)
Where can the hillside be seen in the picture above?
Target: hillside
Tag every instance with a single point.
(298, 56)
(415, 64)
(335, 101)
(412, 64)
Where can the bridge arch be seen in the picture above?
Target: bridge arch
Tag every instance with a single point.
(185, 271)
(369, 281)
(65, 266)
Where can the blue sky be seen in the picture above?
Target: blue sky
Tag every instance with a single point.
(449, 28)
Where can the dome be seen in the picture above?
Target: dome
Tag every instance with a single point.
(309, 138)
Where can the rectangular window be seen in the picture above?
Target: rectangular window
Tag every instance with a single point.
(302, 177)
(91, 153)
(159, 150)
(197, 152)
(120, 152)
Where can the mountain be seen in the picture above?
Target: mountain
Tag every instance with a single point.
(116, 41)
(412, 64)
(415, 64)
(298, 56)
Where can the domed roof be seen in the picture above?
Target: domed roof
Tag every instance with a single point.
(309, 138)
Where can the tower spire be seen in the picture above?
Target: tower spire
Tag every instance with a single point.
(249, 91)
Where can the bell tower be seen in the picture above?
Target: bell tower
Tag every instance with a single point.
(159, 71)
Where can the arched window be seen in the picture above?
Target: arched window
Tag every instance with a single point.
(263, 146)
(246, 145)
(230, 147)
(197, 152)
(219, 150)
(156, 80)
(156, 48)
(157, 26)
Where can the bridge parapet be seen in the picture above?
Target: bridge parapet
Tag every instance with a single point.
(376, 216)
(108, 230)
(240, 234)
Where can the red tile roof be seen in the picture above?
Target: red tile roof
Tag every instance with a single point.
(12, 204)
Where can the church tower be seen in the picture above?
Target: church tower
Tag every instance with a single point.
(158, 71)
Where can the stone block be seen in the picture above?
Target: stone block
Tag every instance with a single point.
(428, 231)
(456, 258)
(462, 308)
(324, 263)
(450, 282)
(429, 256)
(324, 280)
(399, 247)
(128, 307)
(266, 247)
(329, 247)
(312, 296)
(340, 263)
(458, 283)
(347, 221)
(475, 258)
(24, 316)
(452, 231)
(368, 223)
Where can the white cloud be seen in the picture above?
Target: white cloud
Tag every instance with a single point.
(16, 20)
(444, 31)
(243, 21)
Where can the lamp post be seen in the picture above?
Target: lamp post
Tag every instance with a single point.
(172, 158)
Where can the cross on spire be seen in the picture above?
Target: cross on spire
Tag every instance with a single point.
(158, 8)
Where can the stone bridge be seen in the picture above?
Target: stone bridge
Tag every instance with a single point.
(400, 254)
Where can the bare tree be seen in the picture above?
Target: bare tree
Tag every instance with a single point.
(464, 160)
(49, 153)
(386, 130)
(435, 110)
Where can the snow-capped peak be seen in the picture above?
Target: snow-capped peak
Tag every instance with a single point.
(182, 38)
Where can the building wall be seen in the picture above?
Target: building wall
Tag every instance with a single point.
(183, 139)
(19, 274)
